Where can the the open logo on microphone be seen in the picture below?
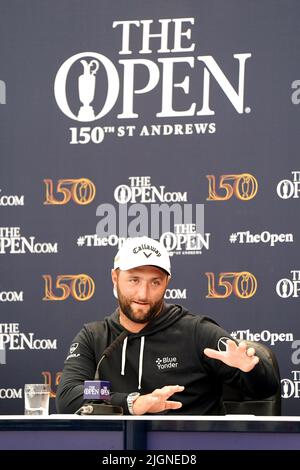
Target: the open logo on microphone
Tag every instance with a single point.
(96, 390)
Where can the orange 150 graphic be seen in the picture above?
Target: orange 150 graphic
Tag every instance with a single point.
(48, 380)
(243, 186)
(242, 284)
(80, 286)
(82, 191)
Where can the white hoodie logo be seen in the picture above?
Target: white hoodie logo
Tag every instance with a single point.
(222, 343)
(73, 348)
(166, 363)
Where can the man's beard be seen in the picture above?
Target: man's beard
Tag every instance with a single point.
(129, 313)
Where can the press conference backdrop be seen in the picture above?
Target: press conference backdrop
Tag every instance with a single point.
(177, 120)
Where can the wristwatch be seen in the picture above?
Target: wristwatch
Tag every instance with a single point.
(130, 401)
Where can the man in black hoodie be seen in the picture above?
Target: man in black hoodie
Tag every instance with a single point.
(168, 351)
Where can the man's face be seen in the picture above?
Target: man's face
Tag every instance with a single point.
(140, 292)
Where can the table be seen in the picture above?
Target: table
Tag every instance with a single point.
(69, 432)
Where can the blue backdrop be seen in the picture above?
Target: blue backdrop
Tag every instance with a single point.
(178, 120)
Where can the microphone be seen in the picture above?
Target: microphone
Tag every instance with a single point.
(99, 389)
(109, 350)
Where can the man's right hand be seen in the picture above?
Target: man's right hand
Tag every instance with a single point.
(157, 401)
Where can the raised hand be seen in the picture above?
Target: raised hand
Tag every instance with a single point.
(236, 355)
(157, 401)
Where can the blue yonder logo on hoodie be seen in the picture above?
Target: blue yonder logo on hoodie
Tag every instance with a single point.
(166, 363)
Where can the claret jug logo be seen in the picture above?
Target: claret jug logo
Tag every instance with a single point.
(289, 288)
(290, 388)
(89, 85)
(289, 188)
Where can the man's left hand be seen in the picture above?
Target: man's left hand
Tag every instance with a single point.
(236, 355)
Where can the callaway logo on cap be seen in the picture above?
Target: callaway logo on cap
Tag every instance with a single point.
(142, 251)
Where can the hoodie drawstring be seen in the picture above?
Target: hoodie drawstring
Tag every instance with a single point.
(141, 358)
(124, 356)
(141, 361)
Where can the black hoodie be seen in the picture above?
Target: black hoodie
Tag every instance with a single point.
(168, 351)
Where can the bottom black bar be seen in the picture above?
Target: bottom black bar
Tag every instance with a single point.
(155, 459)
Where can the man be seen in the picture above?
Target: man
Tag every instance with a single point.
(169, 362)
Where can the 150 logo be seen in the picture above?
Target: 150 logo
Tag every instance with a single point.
(48, 380)
(243, 187)
(80, 286)
(242, 284)
(82, 191)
